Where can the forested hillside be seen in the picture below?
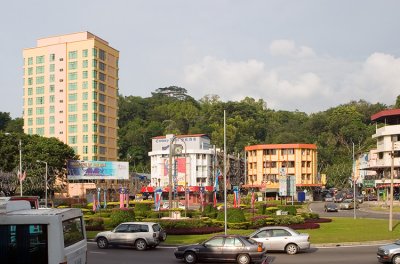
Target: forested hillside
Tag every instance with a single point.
(248, 122)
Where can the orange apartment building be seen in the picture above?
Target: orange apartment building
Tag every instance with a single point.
(267, 163)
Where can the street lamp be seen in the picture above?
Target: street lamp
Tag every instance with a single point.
(20, 162)
(45, 191)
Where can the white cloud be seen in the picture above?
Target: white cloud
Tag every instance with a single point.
(287, 48)
(305, 81)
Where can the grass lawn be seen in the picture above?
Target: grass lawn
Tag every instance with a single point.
(339, 230)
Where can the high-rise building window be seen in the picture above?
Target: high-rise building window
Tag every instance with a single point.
(30, 70)
(102, 140)
(94, 117)
(94, 138)
(85, 150)
(102, 97)
(72, 140)
(72, 128)
(30, 101)
(39, 69)
(39, 110)
(94, 85)
(102, 66)
(52, 78)
(102, 87)
(39, 59)
(102, 55)
(84, 74)
(84, 117)
(72, 55)
(51, 130)
(40, 80)
(39, 120)
(102, 108)
(94, 52)
(85, 107)
(40, 131)
(85, 53)
(30, 91)
(30, 60)
(51, 109)
(72, 107)
(85, 85)
(30, 131)
(72, 97)
(85, 63)
(72, 118)
(94, 74)
(52, 57)
(72, 65)
(94, 149)
(30, 121)
(40, 90)
(94, 128)
(52, 88)
(102, 76)
(84, 96)
(102, 119)
(40, 100)
(30, 111)
(52, 67)
(72, 86)
(51, 120)
(85, 128)
(94, 63)
(94, 96)
(102, 129)
(94, 106)
(85, 139)
(72, 75)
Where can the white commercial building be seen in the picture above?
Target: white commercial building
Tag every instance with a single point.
(193, 161)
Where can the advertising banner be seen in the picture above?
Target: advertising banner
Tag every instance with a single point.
(97, 170)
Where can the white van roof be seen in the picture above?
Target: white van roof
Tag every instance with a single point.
(7, 206)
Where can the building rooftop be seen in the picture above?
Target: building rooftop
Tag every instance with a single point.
(389, 117)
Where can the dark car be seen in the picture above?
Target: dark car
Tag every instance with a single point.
(223, 248)
(331, 207)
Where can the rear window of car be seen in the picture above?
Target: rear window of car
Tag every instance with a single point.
(252, 241)
(156, 227)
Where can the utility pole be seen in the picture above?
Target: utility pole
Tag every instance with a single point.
(391, 188)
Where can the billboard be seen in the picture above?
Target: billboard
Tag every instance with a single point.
(97, 170)
(178, 171)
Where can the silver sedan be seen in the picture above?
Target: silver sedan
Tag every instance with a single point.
(282, 238)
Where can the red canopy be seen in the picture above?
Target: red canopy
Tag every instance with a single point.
(148, 189)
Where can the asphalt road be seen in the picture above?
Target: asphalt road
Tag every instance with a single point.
(334, 255)
(362, 212)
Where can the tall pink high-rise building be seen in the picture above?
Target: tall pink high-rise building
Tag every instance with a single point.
(71, 93)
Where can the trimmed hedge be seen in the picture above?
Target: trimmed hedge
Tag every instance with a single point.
(95, 224)
(121, 215)
(235, 215)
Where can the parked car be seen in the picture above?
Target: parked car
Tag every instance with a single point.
(331, 207)
(165, 205)
(389, 253)
(360, 198)
(338, 198)
(281, 238)
(347, 204)
(328, 198)
(141, 235)
(223, 248)
(370, 197)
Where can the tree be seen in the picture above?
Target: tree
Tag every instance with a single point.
(4, 119)
(397, 104)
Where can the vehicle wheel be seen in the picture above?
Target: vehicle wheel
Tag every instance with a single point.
(291, 249)
(140, 244)
(190, 257)
(102, 242)
(243, 259)
(163, 236)
(396, 259)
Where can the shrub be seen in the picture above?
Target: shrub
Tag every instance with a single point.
(272, 209)
(310, 215)
(210, 211)
(235, 215)
(291, 209)
(121, 215)
(288, 220)
(142, 209)
(95, 224)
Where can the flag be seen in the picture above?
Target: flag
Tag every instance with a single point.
(98, 199)
(94, 203)
(121, 200)
(216, 180)
(105, 200)
(157, 199)
(215, 199)
(253, 199)
(21, 175)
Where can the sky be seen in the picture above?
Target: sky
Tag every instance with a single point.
(296, 55)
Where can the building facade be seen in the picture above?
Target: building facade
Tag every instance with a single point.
(71, 93)
(193, 166)
(387, 159)
(268, 163)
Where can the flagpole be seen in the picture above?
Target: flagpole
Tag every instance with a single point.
(225, 205)
(20, 164)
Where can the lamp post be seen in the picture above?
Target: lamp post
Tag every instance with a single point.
(391, 188)
(20, 162)
(354, 185)
(45, 191)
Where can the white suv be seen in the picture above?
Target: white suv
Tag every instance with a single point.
(141, 235)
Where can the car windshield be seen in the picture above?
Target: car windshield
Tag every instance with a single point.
(252, 241)
(156, 227)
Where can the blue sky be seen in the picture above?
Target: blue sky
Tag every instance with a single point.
(295, 55)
